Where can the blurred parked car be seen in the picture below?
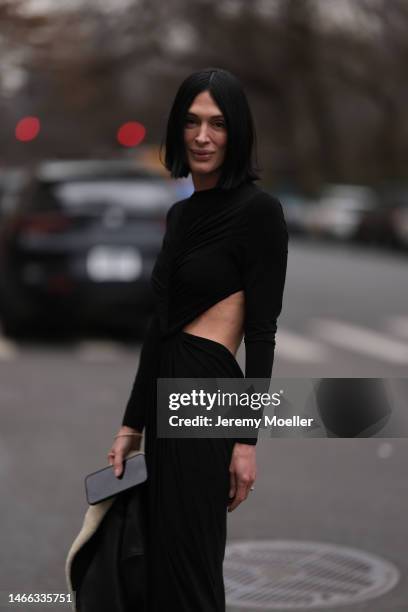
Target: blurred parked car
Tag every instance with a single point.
(339, 210)
(80, 244)
(387, 223)
(296, 208)
(11, 181)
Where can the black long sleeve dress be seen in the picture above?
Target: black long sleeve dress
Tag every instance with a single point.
(217, 242)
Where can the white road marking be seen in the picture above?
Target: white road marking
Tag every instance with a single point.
(292, 346)
(398, 326)
(99, 351)
(295, 347)
(360, 339)
(8, 350)
(384, 450)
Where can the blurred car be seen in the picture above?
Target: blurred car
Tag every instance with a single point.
(387, 224)
(79, 244)
(339, 210)
(11, 181)
(296, 208)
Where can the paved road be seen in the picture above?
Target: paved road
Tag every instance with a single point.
(345, 314)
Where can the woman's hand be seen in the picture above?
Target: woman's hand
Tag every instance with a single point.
(242, 473)
(121, 447)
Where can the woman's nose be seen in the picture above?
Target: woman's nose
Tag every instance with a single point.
(202, 135)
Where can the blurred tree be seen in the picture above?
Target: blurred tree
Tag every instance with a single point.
(325, 79)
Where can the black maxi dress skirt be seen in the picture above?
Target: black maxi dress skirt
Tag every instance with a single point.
(187, 492)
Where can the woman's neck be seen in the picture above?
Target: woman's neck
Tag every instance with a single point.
(202, 182)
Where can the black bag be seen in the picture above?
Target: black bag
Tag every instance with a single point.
(105, 567)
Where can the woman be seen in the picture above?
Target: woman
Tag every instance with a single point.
(220, 276)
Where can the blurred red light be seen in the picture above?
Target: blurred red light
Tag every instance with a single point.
(131, 134)
(27, 129)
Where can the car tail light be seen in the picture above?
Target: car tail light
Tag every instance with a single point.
(42, 223)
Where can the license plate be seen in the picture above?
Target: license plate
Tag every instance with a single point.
(117, 264)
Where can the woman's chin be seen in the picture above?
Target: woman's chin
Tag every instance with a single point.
(203, 168)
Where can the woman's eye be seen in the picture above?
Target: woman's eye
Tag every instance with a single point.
(191, 121)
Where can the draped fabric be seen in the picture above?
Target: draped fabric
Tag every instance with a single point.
(216, 243)
(188, 493)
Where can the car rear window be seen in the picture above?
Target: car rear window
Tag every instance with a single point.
(97, 194)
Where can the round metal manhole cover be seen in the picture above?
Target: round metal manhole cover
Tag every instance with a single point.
(284, 574)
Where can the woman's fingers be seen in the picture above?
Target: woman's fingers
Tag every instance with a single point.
(111, 456)
(241, 492)
(118, 463)
(233, 485)
(242, 474)
(118, 452)
(115, 458)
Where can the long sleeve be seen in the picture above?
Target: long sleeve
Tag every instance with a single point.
(142, 389)
(264, 281)
(144, 385)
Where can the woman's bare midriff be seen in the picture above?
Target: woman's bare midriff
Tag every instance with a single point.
(223, 322)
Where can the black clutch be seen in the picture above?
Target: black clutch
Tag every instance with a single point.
(102, 484)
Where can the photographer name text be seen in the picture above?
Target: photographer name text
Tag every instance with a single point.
(265, 421)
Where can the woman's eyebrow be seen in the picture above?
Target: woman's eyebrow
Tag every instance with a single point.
(212, 117)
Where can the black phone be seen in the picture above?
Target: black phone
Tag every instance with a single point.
(102, 484)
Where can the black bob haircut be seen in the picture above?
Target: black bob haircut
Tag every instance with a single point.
(228, 94)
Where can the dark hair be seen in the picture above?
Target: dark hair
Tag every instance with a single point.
(228, 93)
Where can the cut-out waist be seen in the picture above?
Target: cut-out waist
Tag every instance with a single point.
(213, 344)
(221, 323)
(220, 344)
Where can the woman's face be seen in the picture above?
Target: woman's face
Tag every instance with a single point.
(205, 132)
